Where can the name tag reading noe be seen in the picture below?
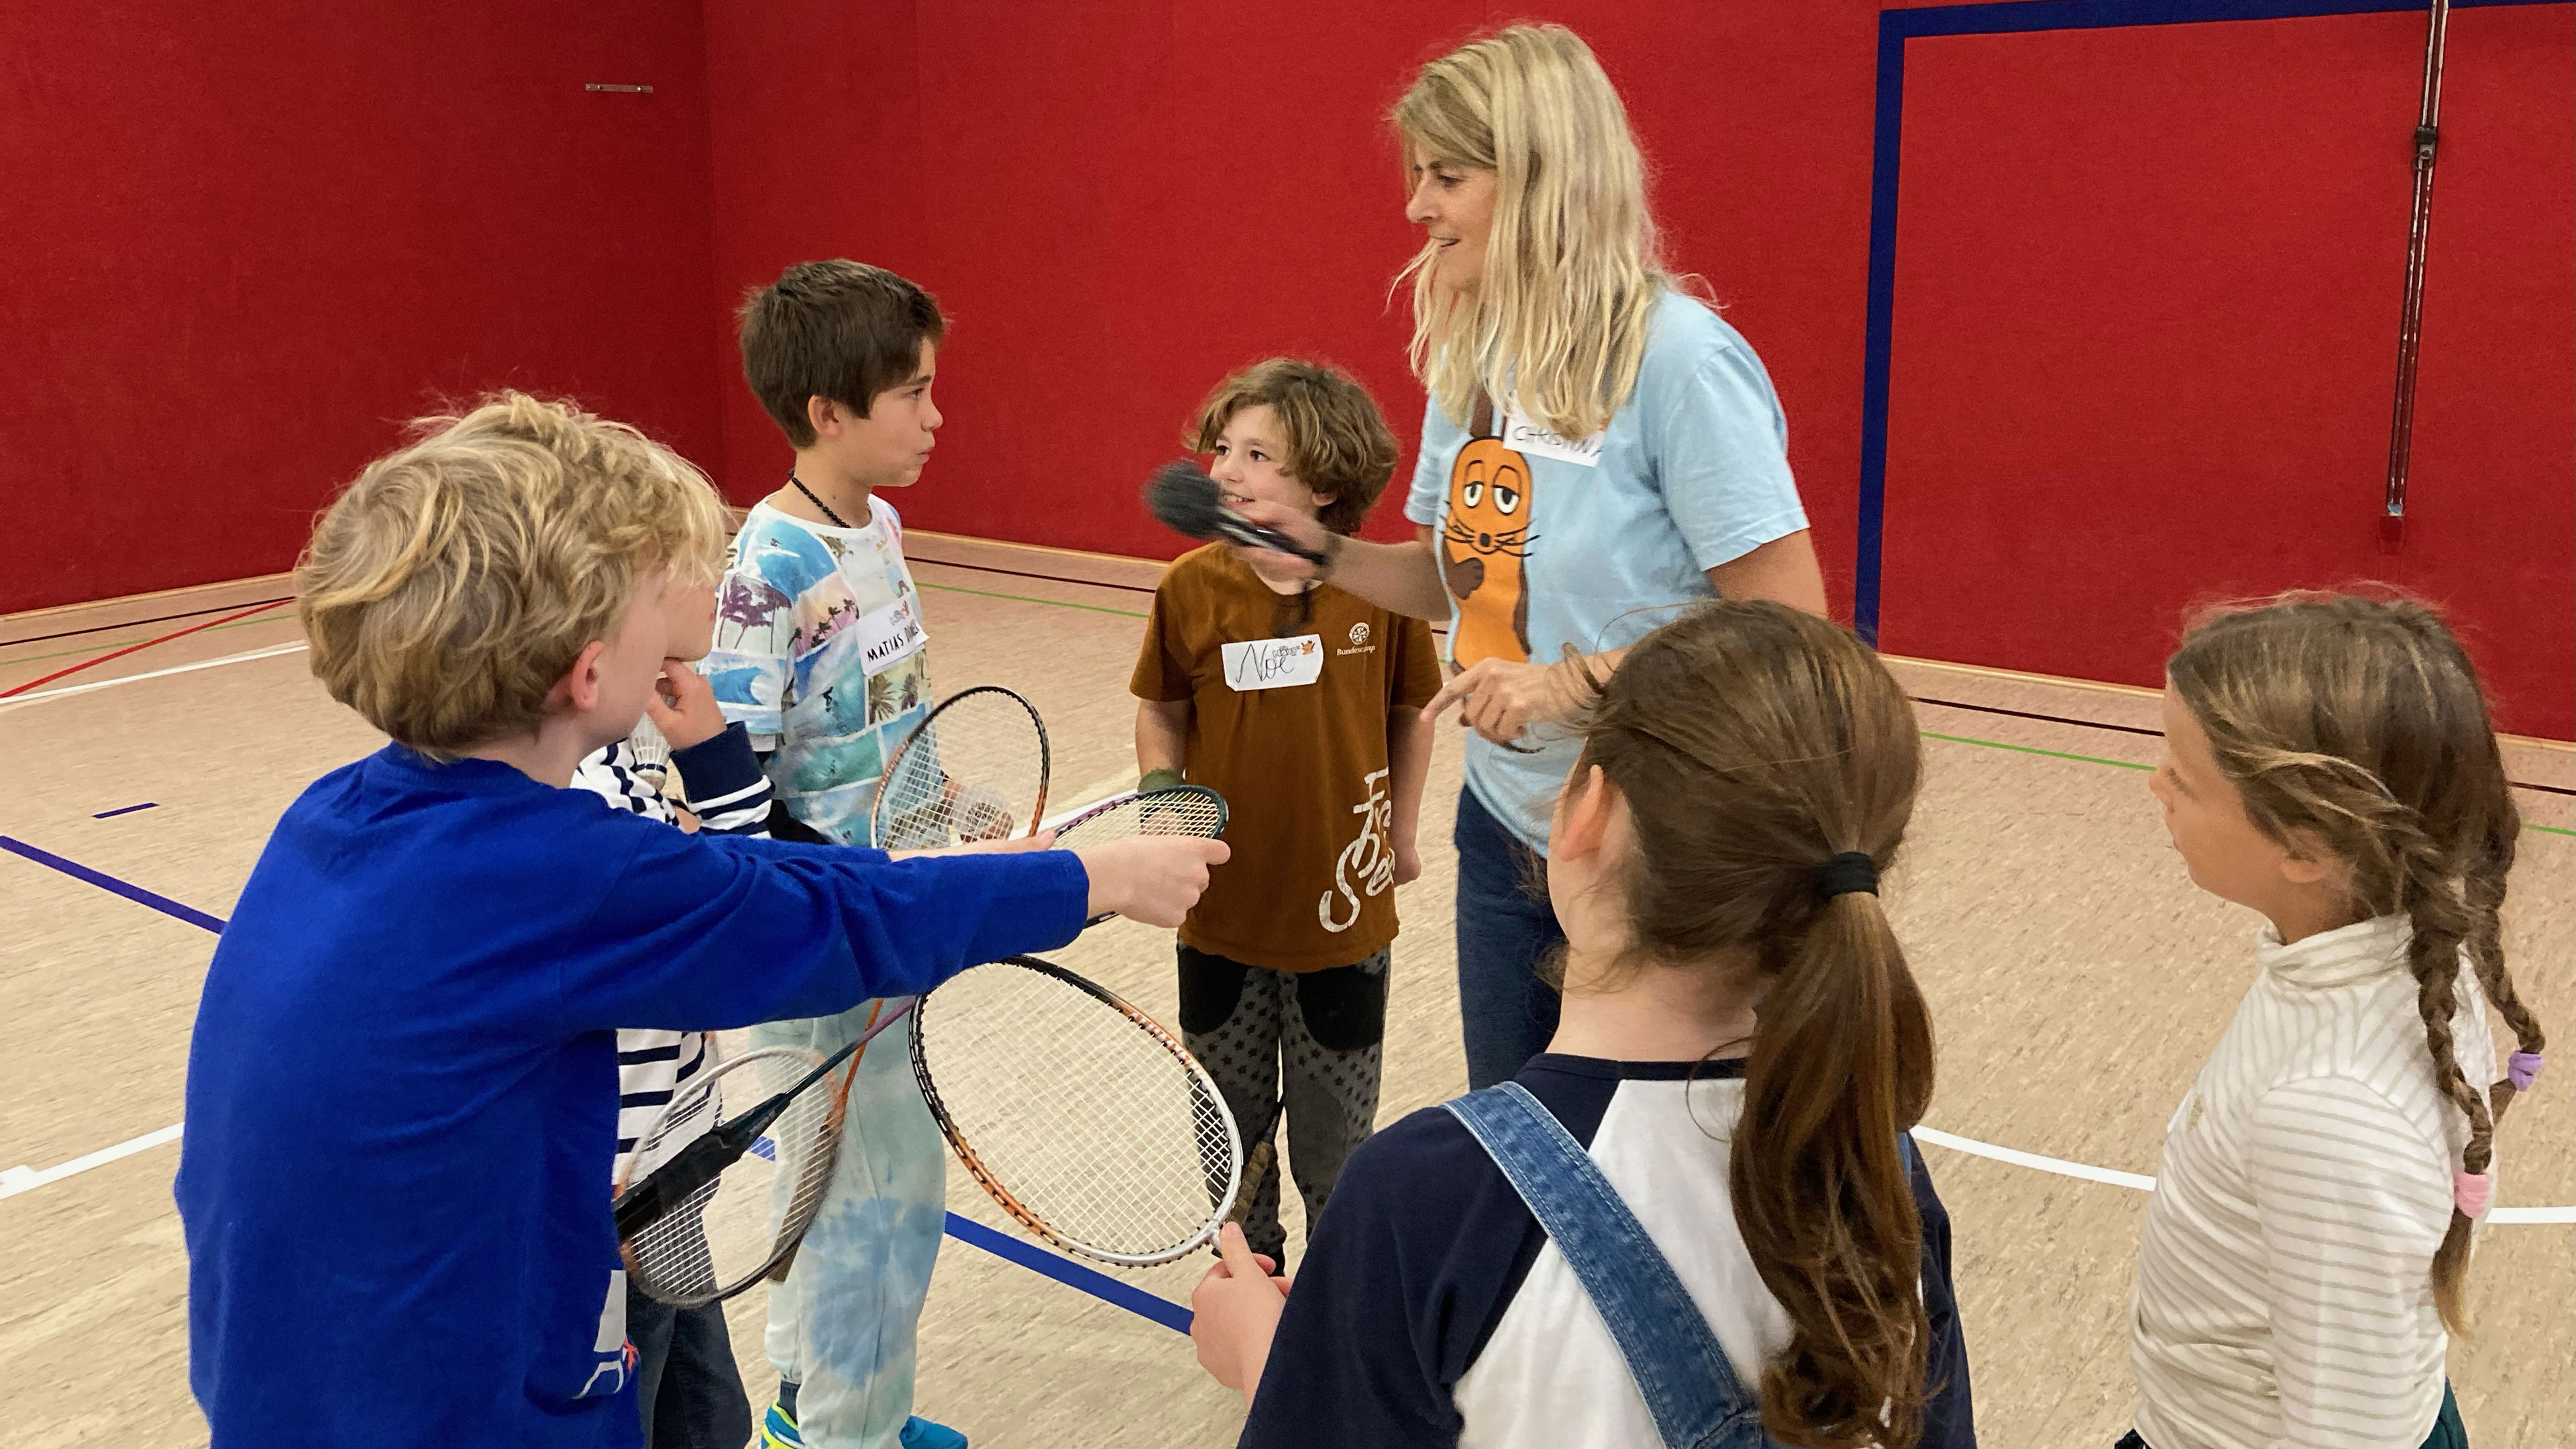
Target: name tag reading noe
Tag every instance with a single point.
(1274, 663)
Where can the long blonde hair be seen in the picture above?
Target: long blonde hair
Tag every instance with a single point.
(1573, 269)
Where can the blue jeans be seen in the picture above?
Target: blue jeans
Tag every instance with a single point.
(1505, 929)
(1687, 1380)
(686, 1385)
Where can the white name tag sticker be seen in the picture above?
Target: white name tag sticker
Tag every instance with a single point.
(1274, 663)
(889, 636)
(1526, 437)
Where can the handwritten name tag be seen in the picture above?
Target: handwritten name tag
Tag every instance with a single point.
(1274, 663)
(1521, 435)
(889, 636)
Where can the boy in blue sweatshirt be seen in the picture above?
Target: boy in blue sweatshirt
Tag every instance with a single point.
(402, 1091)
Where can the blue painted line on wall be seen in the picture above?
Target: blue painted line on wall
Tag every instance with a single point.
(1052, 1265)
(2008, 17)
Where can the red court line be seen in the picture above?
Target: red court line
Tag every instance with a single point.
(126, 624)
(146, 644)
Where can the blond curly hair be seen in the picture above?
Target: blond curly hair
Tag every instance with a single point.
(450, 586)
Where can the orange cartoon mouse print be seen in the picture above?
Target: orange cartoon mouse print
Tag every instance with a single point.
(1484, 546)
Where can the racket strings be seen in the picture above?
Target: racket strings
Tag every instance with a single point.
(976, 769)
(1095, 1125)
(1186, 810)
(725, 1235)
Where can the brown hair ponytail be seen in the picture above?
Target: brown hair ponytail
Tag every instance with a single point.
(1752, 744)
(2359, 724)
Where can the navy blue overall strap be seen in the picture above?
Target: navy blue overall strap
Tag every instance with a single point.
(1683, 1373)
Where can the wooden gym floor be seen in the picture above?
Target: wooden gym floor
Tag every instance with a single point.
(2077, 981)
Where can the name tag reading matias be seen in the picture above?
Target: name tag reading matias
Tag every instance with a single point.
(888, 636)
(1274, 663)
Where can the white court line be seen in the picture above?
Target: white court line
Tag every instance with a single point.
(71, 689)
(24, 1179)
(2089, 1173)
(2019, 1158)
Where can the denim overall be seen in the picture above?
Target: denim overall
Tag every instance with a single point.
(1688, 1384)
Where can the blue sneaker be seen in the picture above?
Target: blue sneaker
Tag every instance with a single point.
(920, 1433)
(778, 1429)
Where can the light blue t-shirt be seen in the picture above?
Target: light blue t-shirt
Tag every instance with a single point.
(820, 652)
(1542, 550)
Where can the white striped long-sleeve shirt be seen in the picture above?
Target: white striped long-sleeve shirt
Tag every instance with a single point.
(2285, 1272)
(730, 796)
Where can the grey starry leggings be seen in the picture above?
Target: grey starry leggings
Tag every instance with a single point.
(1307, 1041)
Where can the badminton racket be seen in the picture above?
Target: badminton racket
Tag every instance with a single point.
(1085, 1119)
(719, 1191)
(976, 769)
(1193, 810)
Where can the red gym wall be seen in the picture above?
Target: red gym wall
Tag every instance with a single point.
(2144, 321)
(244, 242)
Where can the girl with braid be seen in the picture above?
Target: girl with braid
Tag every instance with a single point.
(2329, 763)
(1682, 1223)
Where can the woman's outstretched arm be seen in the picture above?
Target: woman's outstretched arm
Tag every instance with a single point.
(1402, 578)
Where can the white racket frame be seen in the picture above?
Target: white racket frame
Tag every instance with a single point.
(877, 818)
(1107, 803)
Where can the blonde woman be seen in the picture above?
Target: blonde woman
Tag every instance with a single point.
(1598, 448)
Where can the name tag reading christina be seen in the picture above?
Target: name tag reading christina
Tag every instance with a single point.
(889, 636)
(1274, 663)
(1524, 436)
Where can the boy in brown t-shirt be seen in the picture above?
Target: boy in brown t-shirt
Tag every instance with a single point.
(1302, 706)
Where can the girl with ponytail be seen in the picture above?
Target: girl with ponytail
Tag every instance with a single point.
(2329, 763)
(1696, 1219)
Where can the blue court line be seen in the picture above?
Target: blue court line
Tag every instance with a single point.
(1071, 1274)
(125, 810)
(2009, 17)
(1001, 1245)
(113, 886)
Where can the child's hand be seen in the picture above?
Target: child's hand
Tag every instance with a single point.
(683, 706)
(1408, 863)
(1155, 879)
(1234, 1313)
(1301, 529)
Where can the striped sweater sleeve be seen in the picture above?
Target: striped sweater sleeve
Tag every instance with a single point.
(727, 790)
(2353, 1195)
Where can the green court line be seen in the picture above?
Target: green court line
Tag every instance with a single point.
(1025, 599)
(111, 647)
(2134, 765)
(2035, 750)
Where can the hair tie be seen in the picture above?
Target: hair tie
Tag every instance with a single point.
(2470, 1191)
(1845, 873)
(2521, 1069)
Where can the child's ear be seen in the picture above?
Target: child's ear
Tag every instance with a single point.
(1587, 816)
(1324, 500)
(578, 690)
(2307, 861)
(822, 415)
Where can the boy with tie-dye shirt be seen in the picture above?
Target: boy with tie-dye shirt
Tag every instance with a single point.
(821, 654)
